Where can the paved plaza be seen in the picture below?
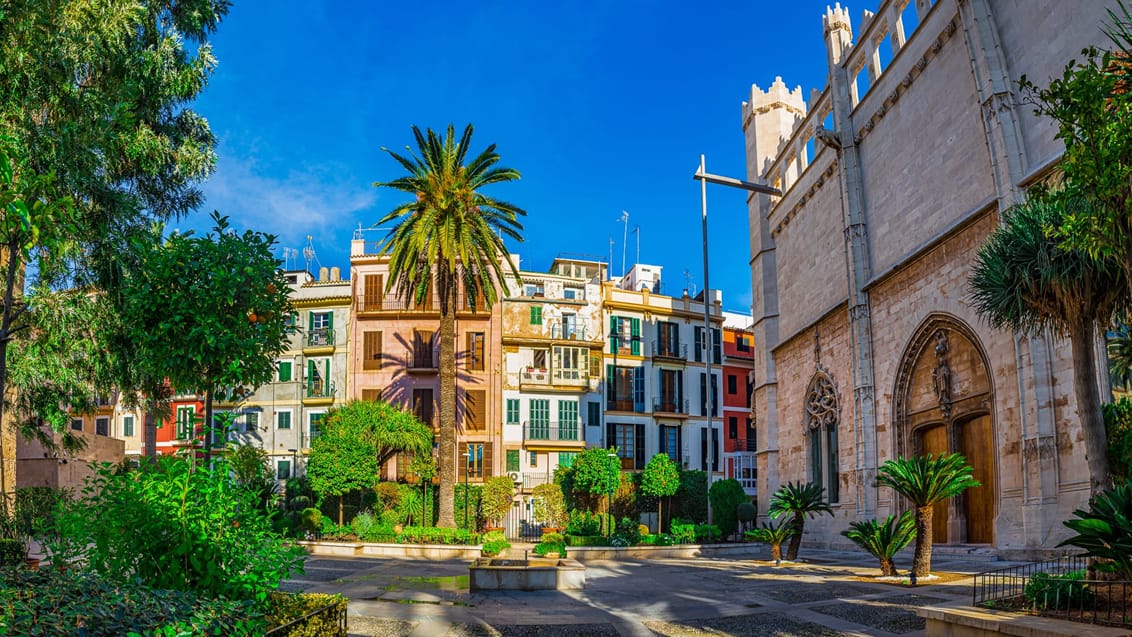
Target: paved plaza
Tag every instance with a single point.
(828, 594)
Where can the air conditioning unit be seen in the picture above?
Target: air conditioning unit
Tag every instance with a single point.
(514, 475)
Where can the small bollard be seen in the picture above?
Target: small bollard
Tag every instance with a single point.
(525, 558)
(912, 578)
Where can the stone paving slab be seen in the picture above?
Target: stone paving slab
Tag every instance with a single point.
(536, 630)
(891, 614)
(761, 625)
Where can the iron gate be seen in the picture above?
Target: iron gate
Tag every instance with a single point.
(519, 525)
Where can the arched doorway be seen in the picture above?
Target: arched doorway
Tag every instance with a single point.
(944, 404)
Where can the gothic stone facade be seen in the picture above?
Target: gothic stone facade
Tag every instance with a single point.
(866, 347)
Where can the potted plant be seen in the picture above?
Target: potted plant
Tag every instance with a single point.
(494, 544)
(552, 546)
(549, 507)
(495, 500)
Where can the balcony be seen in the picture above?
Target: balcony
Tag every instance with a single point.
(623, 404)
(571, 333)
(672, 406)
(423, 363)
(534, 376)
(668, 350)
(567, 433)
(528, 481)
(319, 340)
(565, 377)
(394, 304)
(318, 392)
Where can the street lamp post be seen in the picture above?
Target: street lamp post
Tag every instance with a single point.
(609, 498)
(294, 463)
(704, 178)
(467, 460)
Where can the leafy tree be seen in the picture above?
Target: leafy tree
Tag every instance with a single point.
(1118, 428)
(798, 500)
(98, 141)
(448, 239)
(926, 480)
(692, 496)
(726, 496)
(1026, 279)
(1092, 107)
(548, 505)
(660, 479)
(355, 441)
(252, 471)
(497, 496)
(597, 471)
(207, 312)
(883, 540)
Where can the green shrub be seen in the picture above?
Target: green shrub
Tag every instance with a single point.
(544, 547)
(648, 539)
(683, 532)
(311, 520)
(283, 608)
(388, 495)
(57, 602)
(335, 532)
(726, 496)
(1105, 530)
(1045, 591)
(474, 493)
(494, 543)
(174, 524)
(434, 535)
(666, 539)
(628, 534)
(548, 505)
(772, 535)
(498, 493)
(586, 540)
(493, 536)
(583, 523)
(554, 538)
(691, 499)
(885, 539)
(12, 552)
(746, 513)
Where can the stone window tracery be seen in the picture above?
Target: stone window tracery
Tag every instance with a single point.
(822, 418)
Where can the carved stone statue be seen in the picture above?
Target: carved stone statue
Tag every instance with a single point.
(941, 375)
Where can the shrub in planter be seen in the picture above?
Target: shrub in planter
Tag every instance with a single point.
(494, 543)
(543, 548)
(548, 505)
(174, 524)
(497, 496)
(553, 538)
(726, 496)
(583, 523)
(666, 539)
(1045, 591)
(434, 535)
(311, 520)
(683, 532)
(586, 540)
(628, 534)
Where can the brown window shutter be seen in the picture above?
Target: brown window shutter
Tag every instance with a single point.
(595, 365)
(487, 460)
(469, 350)
(372, 395)
(373, 292)
(371, 351)
(480, 343)
(476, 408)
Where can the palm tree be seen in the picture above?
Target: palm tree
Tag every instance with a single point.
(800, 500)
(1026, 278)
(774, 536)
(925, 480)
(448, 238)
(883, 540)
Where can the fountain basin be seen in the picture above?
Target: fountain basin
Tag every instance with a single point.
(499, 574)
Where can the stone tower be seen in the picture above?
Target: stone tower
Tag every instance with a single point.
(769, 119)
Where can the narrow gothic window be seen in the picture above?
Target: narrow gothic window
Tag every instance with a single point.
(822, 411)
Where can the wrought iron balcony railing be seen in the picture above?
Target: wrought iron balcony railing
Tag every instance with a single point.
(553, 431)
(320, 337)
(319, 389)
(670, 405)
(669, 349)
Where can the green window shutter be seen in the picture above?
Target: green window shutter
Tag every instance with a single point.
(635, 333)
(512, 459)
(310, 371)
(326, 378)
(330, 319)
(512, 412)
(566, 458)
(536, 315)
(284, 371)
(613, 344)
(310, 322)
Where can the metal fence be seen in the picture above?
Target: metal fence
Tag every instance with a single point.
(1064, 588)
(330, 619)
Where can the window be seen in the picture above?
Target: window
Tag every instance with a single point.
(567, 420)
(571, 363)
(283, 420)
(700, 345)
(318, 378)
(625, 335)
(569, 329)
(741, 343)
(321, 320)
(512, 412)
(315, 420)
(733, 428)
(566, 458)
(534, 459)
(102, 426)
(716, 346)
(422, 349)
(373, 290)
(593, 416)
(475, 460)
(284, 373)
(732, 384)
(282, 469)
(185, 422)
(540, 419)
(538, 359)
(668, 339)
(714, 457)
(625, 388)
(475, 415)
(572, 293)
(533, 289)
(714, 394)
(371, 394)
(371, 350)
(475, 351)
(670, 442)
(822, 419)
(536, 315)
(422, 405)
(77, 424)
(630, 443)
(127, 425)
(251, 421)
(671, 398)
(512, 460)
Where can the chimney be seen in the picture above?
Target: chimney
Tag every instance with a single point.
(335, 273)
(322, 274)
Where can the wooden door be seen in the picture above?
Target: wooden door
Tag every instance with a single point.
(934, 441)
(978, 446)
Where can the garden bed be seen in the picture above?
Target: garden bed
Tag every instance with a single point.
(380, 549)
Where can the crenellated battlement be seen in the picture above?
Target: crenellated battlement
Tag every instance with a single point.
(777, 96)
(837, 18)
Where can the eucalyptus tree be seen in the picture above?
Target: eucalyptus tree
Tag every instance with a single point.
(448, 239)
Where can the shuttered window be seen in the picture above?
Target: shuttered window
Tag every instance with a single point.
(371, 350)
(373, 292)
(371, 394)
(476, 409)
(474, 354)
(422, 405)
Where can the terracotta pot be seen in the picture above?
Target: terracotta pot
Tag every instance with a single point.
(32, 563)
(551, 529)
(412, 479)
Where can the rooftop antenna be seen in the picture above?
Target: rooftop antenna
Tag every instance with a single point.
(637, 231)
(625, 239)
(290, 256)
(688, 284)
(308, 252)
(610, 268)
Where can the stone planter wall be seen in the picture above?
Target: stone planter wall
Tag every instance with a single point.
(968, 621)
(374, 549)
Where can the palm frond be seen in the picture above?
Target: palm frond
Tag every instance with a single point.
(800, 498)
(885, 539)
(925, 480)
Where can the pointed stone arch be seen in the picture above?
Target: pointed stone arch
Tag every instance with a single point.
(822, 420)
(944, 403)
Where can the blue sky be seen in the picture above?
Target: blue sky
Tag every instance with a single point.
(602, 106)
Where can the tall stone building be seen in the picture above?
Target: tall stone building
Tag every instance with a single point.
(866, 347)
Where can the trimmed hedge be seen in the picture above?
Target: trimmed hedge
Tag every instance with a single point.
(11, 552)
(586, 540)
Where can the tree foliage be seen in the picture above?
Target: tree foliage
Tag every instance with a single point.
(597, 471)
(692, 496)
(883, 540)
(726, 496)
(496, 498)
(1118, 428)
(1105, 530)
(548, 505)
(661, 477)
(448, 238)
(798, 500)
(252, 471)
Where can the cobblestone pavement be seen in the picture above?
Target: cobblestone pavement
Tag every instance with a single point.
(697, 597)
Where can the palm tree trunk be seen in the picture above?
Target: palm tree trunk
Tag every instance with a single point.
(13, 273)
(776, 552)
(922, 559)
(799, 524)
(446, 508)
(1088, 405)
(887, 568)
